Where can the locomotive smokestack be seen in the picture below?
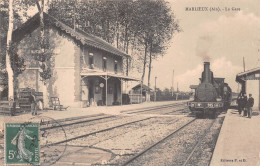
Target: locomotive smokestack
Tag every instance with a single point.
(207, 77)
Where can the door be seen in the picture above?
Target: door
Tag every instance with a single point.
(104, 94)
(115, 92)
(91, 92)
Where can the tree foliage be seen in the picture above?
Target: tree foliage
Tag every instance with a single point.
(133, 26)
(141, 28)
(17, 62)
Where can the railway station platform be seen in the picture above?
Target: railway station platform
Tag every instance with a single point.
(78, 112)
(238, 143)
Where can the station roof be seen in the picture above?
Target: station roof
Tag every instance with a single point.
(87, 73)
(85, 38)
(252, 74)
(144, 87)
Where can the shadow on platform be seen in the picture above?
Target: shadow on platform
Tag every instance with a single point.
(255, 113)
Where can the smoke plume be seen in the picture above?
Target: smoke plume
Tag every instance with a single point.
(203, 45)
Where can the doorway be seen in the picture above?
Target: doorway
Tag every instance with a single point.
(91, 92)
(103, 91)
(115, 92)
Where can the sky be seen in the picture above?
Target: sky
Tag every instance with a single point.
(221, 37)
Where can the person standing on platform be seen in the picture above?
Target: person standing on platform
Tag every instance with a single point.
(243, 104)
(239, 104)
(249, 105)
(32, 100)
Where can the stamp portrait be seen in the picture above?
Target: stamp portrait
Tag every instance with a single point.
(22, 144)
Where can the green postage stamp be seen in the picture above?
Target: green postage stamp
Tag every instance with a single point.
(22, 145)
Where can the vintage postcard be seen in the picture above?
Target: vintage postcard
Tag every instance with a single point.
(130, 82)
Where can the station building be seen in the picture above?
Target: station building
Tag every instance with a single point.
(250, 83)
(86, 70)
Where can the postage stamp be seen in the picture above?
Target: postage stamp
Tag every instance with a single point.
(22, 144)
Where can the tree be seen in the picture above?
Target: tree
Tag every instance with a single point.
(13, 64)
(8, 52)
(155, 25)
(144, 26)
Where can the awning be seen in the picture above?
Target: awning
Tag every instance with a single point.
(144, 87)
(252, 74)
(109, 75)
(248, 72)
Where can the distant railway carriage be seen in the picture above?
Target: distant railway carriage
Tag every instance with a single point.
(211, 96)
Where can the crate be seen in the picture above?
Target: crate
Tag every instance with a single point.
(7, 107)
(23, 98)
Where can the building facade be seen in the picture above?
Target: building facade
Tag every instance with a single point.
(86, 70)
(250, 84)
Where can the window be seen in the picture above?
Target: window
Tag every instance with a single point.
(115, 66)
(104, 63)
(91, 60)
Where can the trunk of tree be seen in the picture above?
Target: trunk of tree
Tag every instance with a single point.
(149, 72)
(107, 33)
(42, 49)
(145, 55)
(126, 44)
(8, 59)
(117, 35)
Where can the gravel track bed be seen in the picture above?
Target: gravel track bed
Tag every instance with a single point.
(119, 132)
(162, 111)
(202, 155)
(177, 148)
(125, 146)
(184, 111)
(153, 109)
(72, 131)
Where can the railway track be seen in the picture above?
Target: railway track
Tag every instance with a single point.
(96, 132)
(155, 109)
(72, 121)
(188, 155)
(198, 143)
(164, 111)
(47, 125)
(157, 143)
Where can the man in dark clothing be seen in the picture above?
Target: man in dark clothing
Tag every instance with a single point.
(32, 100)
(243, 104)
(239, 104)
(249, 105)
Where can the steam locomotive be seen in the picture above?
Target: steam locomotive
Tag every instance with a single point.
(212, 95)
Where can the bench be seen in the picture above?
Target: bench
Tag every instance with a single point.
(55, 104)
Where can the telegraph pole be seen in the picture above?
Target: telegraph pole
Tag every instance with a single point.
(172, 81)
(177, 92)
(155, 90)
(244, 64)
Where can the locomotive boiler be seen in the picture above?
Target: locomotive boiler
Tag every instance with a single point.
(212, 95)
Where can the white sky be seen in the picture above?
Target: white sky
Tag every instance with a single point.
(224, 36)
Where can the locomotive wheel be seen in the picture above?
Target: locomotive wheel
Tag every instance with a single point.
(200, 115)
(213, 115)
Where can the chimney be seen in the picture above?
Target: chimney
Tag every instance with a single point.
(207, 75)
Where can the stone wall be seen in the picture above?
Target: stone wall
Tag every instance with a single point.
(65, 81)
